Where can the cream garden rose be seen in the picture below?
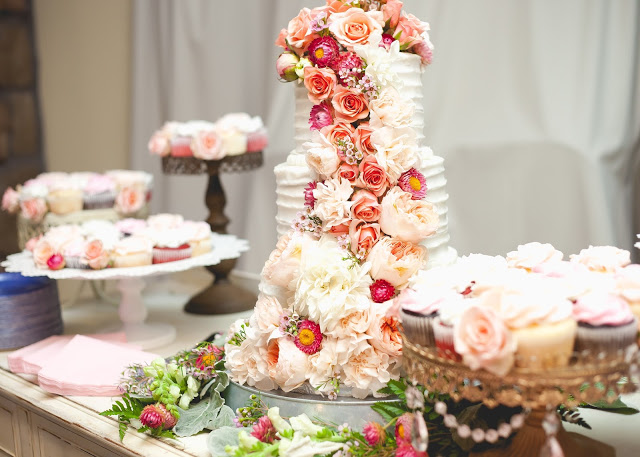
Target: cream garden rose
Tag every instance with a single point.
(321, 156)
(283, 267)
(247, 362)
(396, 150)
(266, 315)
(407, 219)
(396, 261)
(391, 109)
(368, 371)
(288, 366)
(332, 202)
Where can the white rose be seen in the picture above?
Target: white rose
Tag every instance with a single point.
(391, 109)
(266, 315)
(321, 156)
(288, 365)
(407, 219)
(366, 372)
(396, 150)
(247, 363)
(332, 202)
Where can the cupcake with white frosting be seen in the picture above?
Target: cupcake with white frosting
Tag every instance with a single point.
(199, 234)
(133, 251)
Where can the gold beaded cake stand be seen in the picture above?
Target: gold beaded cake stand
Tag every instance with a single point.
(536, 390)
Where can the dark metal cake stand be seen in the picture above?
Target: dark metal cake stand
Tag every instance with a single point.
(221, 297)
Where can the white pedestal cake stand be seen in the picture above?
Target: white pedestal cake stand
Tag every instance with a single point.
(132, 311)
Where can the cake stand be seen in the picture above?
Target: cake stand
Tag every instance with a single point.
(131, 310)
(588, 378)
(221, 296)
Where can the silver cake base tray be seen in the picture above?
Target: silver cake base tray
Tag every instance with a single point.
(348, 410)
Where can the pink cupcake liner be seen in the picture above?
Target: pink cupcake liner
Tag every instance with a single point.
(163, 255)
(418, 329)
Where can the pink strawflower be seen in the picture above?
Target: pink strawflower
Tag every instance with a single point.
(320, 116)
(414, 182)
(381, 291)
(264, 430)
(309, 337)
(404, 424)
(168, 419)
(407, 450)
(348, 64)
(55, 262)
(151, 417)
(374, 433)
(424, 51)
(309, 199)
(323, 51)
(386, 41)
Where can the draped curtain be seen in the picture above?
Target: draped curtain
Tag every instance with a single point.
(534, 105)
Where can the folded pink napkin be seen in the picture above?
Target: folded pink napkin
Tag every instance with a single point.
(30, 359)
(89, 367)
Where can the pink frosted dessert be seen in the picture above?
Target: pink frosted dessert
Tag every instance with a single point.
(257, 141)
(130, 226)
(99, 192)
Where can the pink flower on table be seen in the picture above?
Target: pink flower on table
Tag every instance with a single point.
(299, 34)
(286, 66)
(320, 116)
(130, 200)
(381, 291)
(348, 172)
(320, 83)
(309, 337)
(151, 417)
(364, 236)
(414, 182)
(34, 209)
(362, 139)
(264, 430)
(159, 144)
(372, 176)
(409, 30)
(374, 433)
(55, 262)
(10, 200)
(483, 340)
(396, 261)
(407, 219)
(309, 199)
(207, 145)
(354, 26)
(323, 51)
(365, 206)
(95, 255)
(391, 11)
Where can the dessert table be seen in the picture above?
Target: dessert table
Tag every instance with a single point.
(36, 423)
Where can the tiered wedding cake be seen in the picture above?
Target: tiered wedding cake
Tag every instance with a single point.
(361, 205)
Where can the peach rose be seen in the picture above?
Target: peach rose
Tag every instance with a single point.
(354, 26)
(280, 41)
(159, 144)
(362, 139)
(349, 106)
(320, 82)
(391, 11)
(42, 252)
(337, 6)
(372, 176)
(365, 206)
(407, 219)
(95, 255)
(299, 33)
(348, 172)
(389, 108)
(322, 157)
(10, 200)
(363, 237)
(384, 332)
(338, 131)
(409, 30)
(129, 200)
(207, 145)
(337, 230)
(483, 341)
(396, 261)
(287, 365)
(34, 209)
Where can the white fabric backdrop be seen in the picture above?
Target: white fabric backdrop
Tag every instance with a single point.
(535, 106)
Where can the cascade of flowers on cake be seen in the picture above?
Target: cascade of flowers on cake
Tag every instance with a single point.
(322, 317)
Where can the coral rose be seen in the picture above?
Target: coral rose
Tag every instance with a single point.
(207, 145)
(348, 172)
(409, 31)
(365, 206)
(362, 139)
(372, 176)
(34, 209)
(299, 33)
(354, 26)
(391, 11)
(42, 252)
(349, 105)
(483, 341)
(407, 219)
(339, 132)
(129, 200)
(396, 261)
(95, 255)
(320, 83)
(363, 237)
(337, 6)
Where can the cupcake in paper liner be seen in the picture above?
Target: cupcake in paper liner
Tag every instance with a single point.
(449, 313)
(99, 192)
(73, 253)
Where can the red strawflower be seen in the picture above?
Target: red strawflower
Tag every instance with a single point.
(264, 430)
(309, 199)
(406, 450)
(381, 291)
(151, 417)
(386, 41)
(323, 51)
(320, 116)
(374, 433)
(309, 337)
(414, 182)
(348, 64)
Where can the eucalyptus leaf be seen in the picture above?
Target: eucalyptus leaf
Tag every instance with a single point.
(196, 418)
(219, 439)
(224, 418)
(223, 381)
(206, 387)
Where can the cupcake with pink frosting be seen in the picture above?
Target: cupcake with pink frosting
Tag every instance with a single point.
(418, 308)
(99, 192)
(199, 235)
(73, 252)
(130, 226)
(605, 323)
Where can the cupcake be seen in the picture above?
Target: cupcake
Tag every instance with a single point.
(130, 226)
(199, 234)
(133, 251)
(169, 245)
(257, 141)
(181, 146)
(628, 287)
(531, 255)
(73, 253)
(418, 309)
(443, 324)
(603, 259)
(99, 192)
(164, 221)
(64, 200)
(605, 323)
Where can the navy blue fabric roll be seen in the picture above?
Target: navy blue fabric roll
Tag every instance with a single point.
(29, 310)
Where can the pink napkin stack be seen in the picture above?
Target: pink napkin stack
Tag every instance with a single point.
(79, 365)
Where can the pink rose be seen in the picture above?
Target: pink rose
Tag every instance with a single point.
(42, 252)
(407, 219)
(337, 6)
(320, 82)
(425, 50)
(31, 244)
(207, 145)
(95, 255)
(391, 11)
(159, 144)
(409, 31)
(34, 209)
(362, 139)
(341, 131)
(129, 200)
(349, 106)
(363, 237)
(365, 206)
(55, 262)
(354, 26)
(396, 261)
(299, 33)
(346, 171)
(10, 200)
(483, 341)
(286, 66)
(280, 41)
(372, 176)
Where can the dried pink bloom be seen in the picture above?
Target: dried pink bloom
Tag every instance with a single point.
(151, 417)
(386, 41)
(264, 430)
(309, 199)
(374, 433)
(320, 116)
(381, 291)
(407, 450)
(323, 51)
(309, 337)
(348, 64)
(414, 182)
